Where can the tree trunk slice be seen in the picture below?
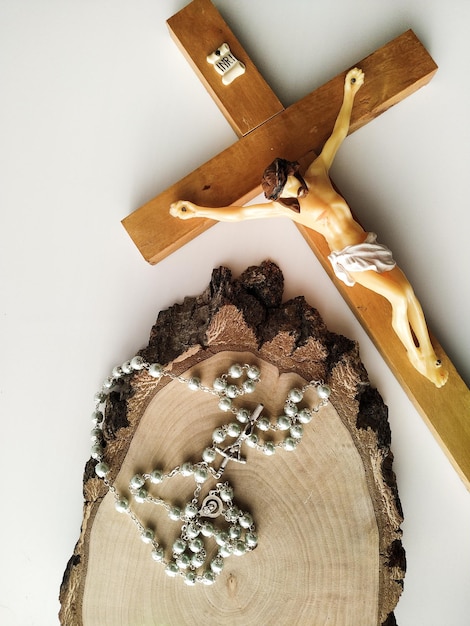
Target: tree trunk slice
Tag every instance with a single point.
(327, 514)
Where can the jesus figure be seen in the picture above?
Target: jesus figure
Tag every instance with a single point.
(311, 200)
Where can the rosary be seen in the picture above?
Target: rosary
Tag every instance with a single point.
(213, 515)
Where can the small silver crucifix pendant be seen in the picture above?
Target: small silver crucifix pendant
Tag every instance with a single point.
(233, 451)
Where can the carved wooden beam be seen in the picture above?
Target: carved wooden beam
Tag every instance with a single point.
(233, 177)
(392, 72)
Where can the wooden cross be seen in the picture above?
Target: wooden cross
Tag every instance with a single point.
(267, 130)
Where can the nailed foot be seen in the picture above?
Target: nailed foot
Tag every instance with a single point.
(430, 367)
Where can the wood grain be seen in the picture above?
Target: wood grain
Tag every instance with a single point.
(328, 515)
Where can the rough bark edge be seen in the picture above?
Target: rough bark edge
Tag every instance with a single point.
(294, 337)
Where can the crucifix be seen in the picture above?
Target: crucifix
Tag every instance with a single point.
(266, 129)
(232, 452)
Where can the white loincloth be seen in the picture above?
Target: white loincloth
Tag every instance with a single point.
(362, 257)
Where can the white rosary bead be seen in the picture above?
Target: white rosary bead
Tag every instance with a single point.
(97, 417)
(183, 561)
(218, 435)
(158, 554)
(156, 370)
(233, 430)
(253, 372)
(190, 578)
(324, 392)
(225, 550)
(239, 548)
(305, 416)
(235, 370)
(201, 474)
(209, 455)
(226, 493)
(102, 469)
(290, 444)
(192, 531)
(232, 391)
(263, 423)
(295, 395)
(100, 397)
(246, 520)
(141, 495)
(243, 416)
(283, 422)
(179, 546)
(117, 372)
(220, 384)
(252, 440)
(190, 510)
(269, 448)
(96, 452)
(122, 505)
(249, 386)
(296, 431)
(207, 529)
(174, 513)
(126, 367)
(194, 383)
(96, 435)
(251, 539)
(172, 569)
(232, 514)
(217, 565)
(156, 476)
(187, 469)
(235, 532)
(208, 578)
(137, 481)
(290, 409)
(197, 560)
(225, 404)
(137, 363)
(221, 538)
(147, 535)
(196, 545)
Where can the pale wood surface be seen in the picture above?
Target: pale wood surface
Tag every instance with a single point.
(198, 30)
(328, 514)
(318, 556)
(233, 177)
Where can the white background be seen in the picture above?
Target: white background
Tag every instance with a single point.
(99, 112)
